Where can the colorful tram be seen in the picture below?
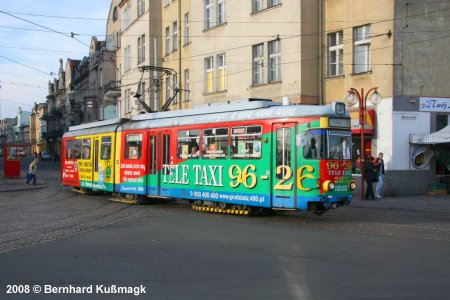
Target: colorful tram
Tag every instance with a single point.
(243, 156)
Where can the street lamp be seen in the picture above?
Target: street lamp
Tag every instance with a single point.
(352, 98)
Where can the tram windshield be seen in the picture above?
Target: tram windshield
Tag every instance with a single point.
(327, 144)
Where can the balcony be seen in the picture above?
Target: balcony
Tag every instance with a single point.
(112, 88)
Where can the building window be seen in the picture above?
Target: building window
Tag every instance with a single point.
(256, 5)
(141, 48)
(335, 54)
(274, 61)
(186, 29)
(208, 13)
(167, 88)
(271, 3)
(361, 49)
(214, 13)
(258, 64)
(167, 40)
(127, 60)
(175, 35)
(186, 85)
(140, 7)
(209, 75)
(126, 16)
(259, 5)
(220, 12)
(175, 87)
(222, 72)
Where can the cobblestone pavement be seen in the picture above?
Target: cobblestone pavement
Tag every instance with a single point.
(42, 213)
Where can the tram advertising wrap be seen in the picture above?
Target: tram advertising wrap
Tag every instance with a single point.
(245, 156)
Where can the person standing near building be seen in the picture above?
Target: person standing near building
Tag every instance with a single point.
(370, 176)
(32, 169)
(379, 168)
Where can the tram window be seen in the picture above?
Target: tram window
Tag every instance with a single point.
(327, 144)
(77, 149)
(86, 149)
(215, 143)
(283, 157)
(246, 142)
(152, 154)
(188, 143)
(69, 150)
(315, 147)
(133, 146)
(166, 154)
(106, 147)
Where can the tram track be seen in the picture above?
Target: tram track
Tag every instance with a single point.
(103, 215)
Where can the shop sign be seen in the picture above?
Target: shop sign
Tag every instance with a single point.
(434, 104)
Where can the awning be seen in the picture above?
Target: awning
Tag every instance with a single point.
(438, 137)
(369, 123)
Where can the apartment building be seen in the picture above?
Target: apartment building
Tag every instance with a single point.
(140, 23)
(400, 48)
(177, 43)
(254, 49)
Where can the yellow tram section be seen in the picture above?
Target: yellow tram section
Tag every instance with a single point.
(95, 161)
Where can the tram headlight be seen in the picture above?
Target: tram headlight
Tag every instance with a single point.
(328, 186)
(352, 185)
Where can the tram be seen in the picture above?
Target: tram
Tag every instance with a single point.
(245, 156)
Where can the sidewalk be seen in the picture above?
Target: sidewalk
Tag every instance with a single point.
(14, 184)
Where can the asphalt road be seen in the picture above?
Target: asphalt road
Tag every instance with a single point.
(53, 239)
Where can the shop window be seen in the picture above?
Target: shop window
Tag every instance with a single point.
(246, 142)
(215, 143)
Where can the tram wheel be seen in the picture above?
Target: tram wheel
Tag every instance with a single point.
(222, 205)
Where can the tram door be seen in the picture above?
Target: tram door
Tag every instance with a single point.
(284, 165)
(153, 166)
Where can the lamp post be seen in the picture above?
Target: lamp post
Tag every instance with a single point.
(352, 98)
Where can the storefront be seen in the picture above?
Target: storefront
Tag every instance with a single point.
(369, 131)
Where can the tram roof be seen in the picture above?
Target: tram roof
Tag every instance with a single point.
(242, 110)
(95, 127)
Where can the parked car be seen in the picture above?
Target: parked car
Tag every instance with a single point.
(45, 155)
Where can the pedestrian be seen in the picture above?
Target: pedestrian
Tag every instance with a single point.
(379, 168)
(32, 172)
(370, 175)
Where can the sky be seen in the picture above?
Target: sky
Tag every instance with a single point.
(34, 36)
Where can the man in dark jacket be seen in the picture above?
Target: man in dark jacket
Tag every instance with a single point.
(370, 176)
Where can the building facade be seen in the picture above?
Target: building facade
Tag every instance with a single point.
(397, 47)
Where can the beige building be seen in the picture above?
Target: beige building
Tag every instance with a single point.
(176, 45)
(400, 48)
(140, 24)
(254, 49)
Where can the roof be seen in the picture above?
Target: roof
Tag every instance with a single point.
(438, 137)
